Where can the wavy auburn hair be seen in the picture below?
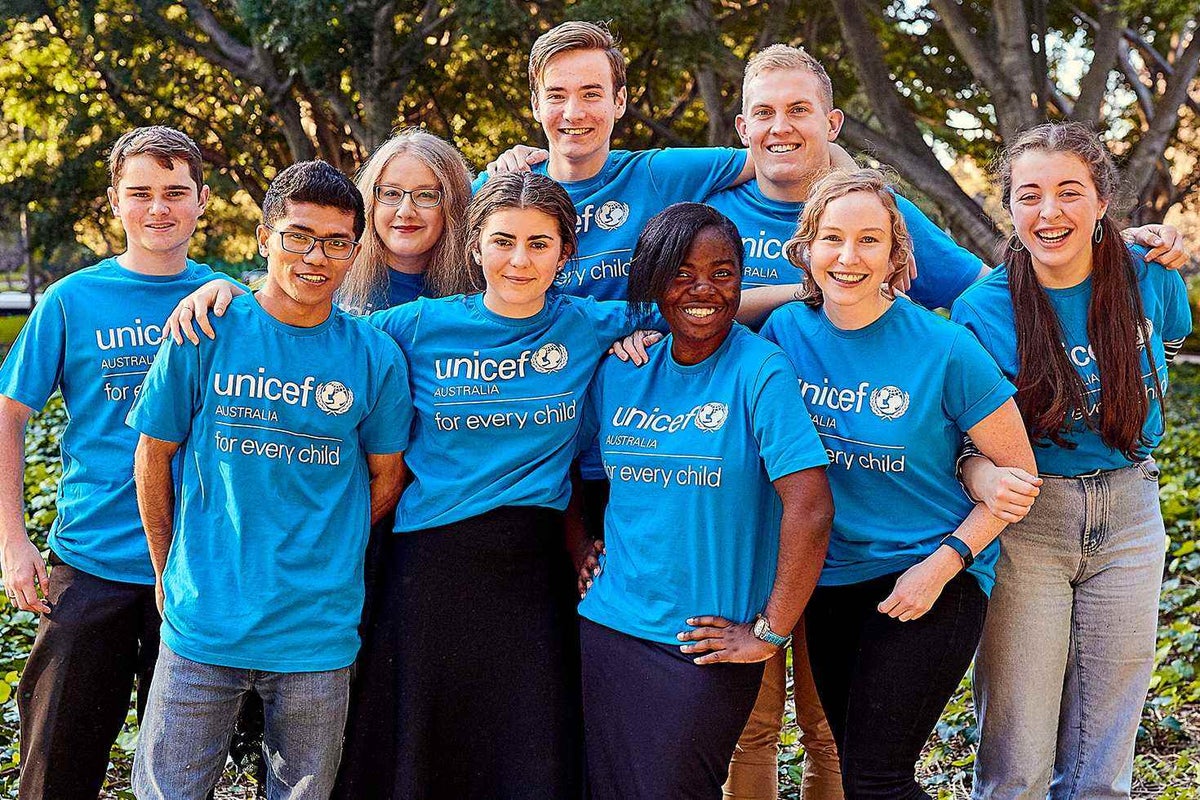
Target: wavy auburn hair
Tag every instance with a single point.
(1050, 392)
(830, 188)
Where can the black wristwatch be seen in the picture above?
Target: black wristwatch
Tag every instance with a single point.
(959, 546)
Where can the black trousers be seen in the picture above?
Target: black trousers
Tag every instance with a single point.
(99, 638)
(467, 684)
(656, 724)
(884, 683)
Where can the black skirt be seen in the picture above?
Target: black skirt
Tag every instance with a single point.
(659, 726)
(467, 684)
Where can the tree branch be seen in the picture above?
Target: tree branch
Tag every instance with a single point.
(1165, 117)
(1109, 27)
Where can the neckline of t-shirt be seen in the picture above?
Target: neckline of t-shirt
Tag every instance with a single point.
(406, 278)
(866, 330)
(292, 330)
(112, 263)
(788, 207)
(601, 178)
(475, 303)
(1070, 291)
(704, 366)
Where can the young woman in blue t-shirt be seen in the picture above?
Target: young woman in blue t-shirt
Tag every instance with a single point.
(900, 604)
(716, 523)
(1085, 328)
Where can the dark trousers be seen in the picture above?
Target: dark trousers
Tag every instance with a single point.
(884, 683)
(99, 637)
(467, 684)
(657, 725)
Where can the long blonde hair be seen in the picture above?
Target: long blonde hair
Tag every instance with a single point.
(366, 285)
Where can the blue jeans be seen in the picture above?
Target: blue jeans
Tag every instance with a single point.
(1068, 646)
(189, 721)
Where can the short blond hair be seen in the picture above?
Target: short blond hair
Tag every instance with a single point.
(830, 188)
(783, 57)
(571, 36)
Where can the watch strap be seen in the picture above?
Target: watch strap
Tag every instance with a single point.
(762, 630)
(959, 546)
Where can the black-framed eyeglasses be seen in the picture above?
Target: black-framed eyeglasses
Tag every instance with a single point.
(394, 196)
(302, 244)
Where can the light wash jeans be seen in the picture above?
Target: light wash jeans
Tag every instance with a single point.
(1068, 646)
(189, 720)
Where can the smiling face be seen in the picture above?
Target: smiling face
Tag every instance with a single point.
(1055, 207)
(788, 130)
(407, 231)
(850, 257)
(577, 107)
(299, 288)
(521, 252)
(159, 208)
(701, 300)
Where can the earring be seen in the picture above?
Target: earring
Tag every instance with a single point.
(1014, 244)
(1098, 236)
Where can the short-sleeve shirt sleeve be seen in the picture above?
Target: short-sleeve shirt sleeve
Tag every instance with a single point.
(787, 440)
(170, 395)
(692, 173)
(974, 386)
(944, 269)
(34, 365)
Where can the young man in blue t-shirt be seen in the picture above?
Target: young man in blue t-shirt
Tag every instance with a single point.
(294, 400)
(93, 337)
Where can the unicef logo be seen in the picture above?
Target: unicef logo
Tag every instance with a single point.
(889, 402)
(612, 215)
(712, 416)
(550, 358)
(334, 397)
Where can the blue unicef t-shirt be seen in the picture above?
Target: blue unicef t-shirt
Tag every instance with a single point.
(497, 400)
(891, 402)
(404, 287)
(94, 335)
(944, 270)
(615, 204)
(692, 524)
(266, 565)
(987, 310)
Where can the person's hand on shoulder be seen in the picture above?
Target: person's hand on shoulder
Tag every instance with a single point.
(517, 159)
(192, 311)
(1165, 243)
(634, 346)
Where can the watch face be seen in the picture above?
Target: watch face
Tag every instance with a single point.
(761, 627)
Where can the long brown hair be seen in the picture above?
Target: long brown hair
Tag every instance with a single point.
(1050, 392)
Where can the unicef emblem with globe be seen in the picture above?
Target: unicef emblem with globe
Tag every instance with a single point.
(711, 417)
(549, 358)
(334, 397)
(612, 215)
(889, 402)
